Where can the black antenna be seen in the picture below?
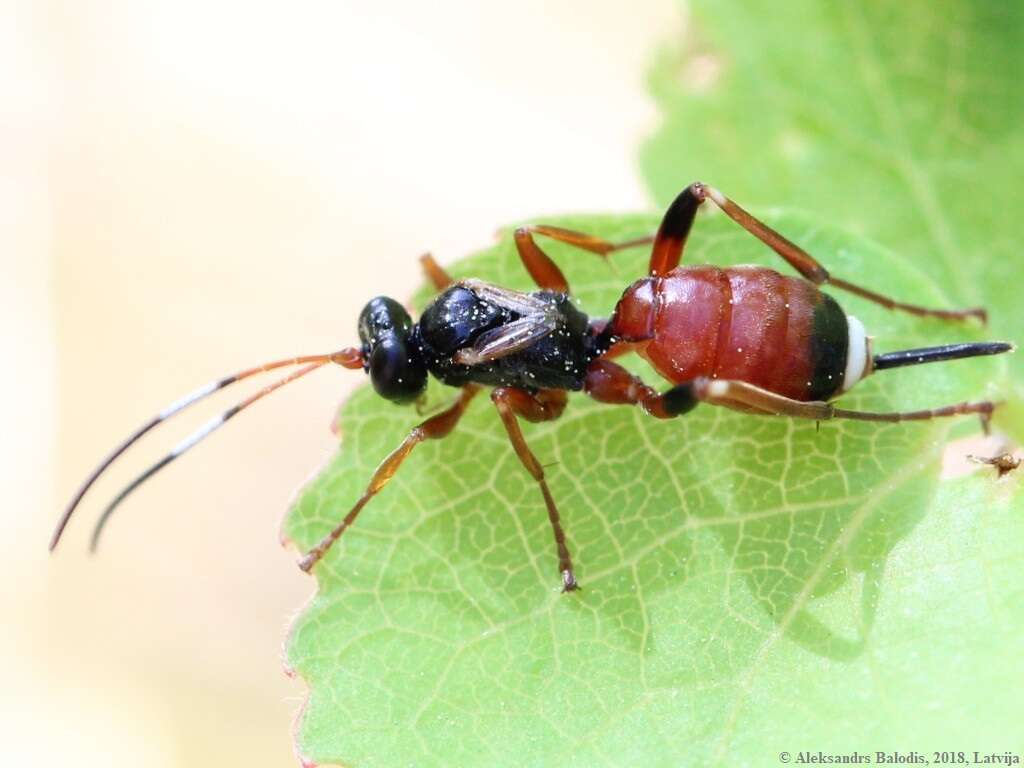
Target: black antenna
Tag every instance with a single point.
(349, 358)
(196, 437)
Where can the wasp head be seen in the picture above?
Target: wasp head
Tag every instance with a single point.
(391, 351)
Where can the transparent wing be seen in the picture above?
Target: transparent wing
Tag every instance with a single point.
(514, 301)
(507, 340)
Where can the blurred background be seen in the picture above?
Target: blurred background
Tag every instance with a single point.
(190, 188)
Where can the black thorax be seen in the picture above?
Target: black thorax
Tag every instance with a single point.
(461, 319)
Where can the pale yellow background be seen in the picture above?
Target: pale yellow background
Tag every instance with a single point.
(191, 187)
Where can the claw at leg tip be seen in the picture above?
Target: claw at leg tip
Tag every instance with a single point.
(569, 583)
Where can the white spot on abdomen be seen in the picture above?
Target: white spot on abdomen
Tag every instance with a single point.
(856, 353)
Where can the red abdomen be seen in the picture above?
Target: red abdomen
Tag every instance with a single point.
(741, 323)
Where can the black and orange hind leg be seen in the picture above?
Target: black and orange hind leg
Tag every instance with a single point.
(675, 227)
(545, 405)
(610, 383)
(746, 397)
(434, 428)
(543, 270)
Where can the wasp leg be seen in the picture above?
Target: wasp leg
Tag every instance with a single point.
(543, 270)
(674, 231)
(434, 428)
(680, 216)
(746, 397)
(610, 383)
(545, 405)
(675, 227)
(435, 272)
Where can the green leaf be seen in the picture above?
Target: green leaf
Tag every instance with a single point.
(750, 585)
(898, 120)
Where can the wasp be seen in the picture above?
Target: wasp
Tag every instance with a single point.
(746, 338)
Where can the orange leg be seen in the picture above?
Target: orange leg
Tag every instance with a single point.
(747, 397)
(543, 270)
(435, 272)
(545, 405)
(434, 428)
(610, 383)
(675, 227)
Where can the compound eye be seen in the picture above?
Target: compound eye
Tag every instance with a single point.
(396, 372)
(382, 317)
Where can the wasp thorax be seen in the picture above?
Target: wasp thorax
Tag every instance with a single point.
(456, 318)
(392, 355)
